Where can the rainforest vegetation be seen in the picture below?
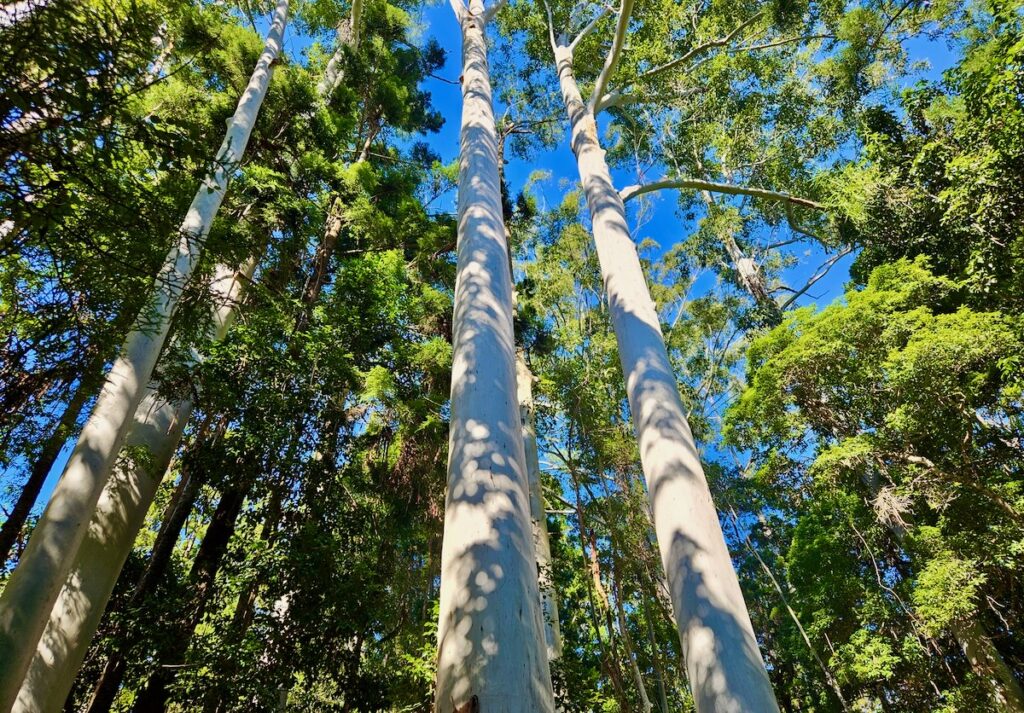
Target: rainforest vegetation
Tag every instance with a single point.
(500, 356)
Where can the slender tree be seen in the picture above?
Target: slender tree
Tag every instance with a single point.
(35, 584)
(152, 441)
(490, 631)
(721, 652)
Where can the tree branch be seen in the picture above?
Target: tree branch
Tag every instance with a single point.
(820, 274)
(493, 10)
(459, 8)
(589, 28)
(631, 192)
(780, 43)
(614, 55)
(698, 50)
(551, 28)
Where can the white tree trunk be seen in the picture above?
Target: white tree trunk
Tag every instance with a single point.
(538, 515)
(725, 668)
(346, 37)
(120, 513)
(36, 582)
(491, 655)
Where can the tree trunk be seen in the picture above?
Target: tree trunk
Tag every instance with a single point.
(989, 664)
(538, 515)
(202, 576)
(491, 653)
(120, 513)
(725, 667)
(36, 583)
(109, 682)
(749, 272)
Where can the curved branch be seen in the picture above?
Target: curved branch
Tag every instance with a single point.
(631, 192)
(493, 10)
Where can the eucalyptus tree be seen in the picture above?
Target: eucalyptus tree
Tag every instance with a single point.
(491, 650)
(35, 584)
(158, 428)
(89, 181)
(356, 223)
(152, 441)
(725, 666)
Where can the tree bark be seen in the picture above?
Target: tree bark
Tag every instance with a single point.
(109, 682)
(490, 632)
(120, 513)
(725, 667)
(989, 664)
(538, 514)
(34, 586)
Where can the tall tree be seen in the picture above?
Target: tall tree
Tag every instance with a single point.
(35, 584)
(491, 650)
(721, 652)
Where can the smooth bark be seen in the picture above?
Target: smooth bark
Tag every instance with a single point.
(491, 654)
(36, 583)
(120, 513)
(723, 661)
(538, 514)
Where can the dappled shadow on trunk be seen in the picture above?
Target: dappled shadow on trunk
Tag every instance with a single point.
(491, 653)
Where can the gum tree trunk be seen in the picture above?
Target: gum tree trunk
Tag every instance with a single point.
(491, 653)
(538, 515)
(723, 661)
(36, 583)
(120, 513)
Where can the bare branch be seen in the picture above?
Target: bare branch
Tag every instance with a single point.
(698, 50)
(820, 274)
(589, 28)
(614, 55)
(551, 29)
(493, 10)
(459, 8)
(631, 192)
(780, 43)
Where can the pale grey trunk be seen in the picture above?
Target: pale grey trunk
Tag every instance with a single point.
(724, 664)
(347, 36)
(120, 513)
(33, 588)
(538, 515)
(749, 272)
(491, 653)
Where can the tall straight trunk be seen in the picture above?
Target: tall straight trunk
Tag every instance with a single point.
(51, 448)
(109, 682)
(34, 586)
(538, 515)
(120, 513)
(724, 664)
(491, 653)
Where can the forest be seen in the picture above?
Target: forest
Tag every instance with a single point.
(502, 356)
